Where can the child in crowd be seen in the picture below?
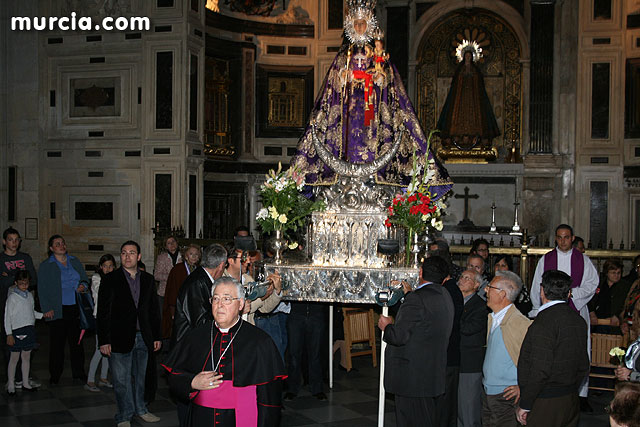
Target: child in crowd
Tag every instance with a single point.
(19, 320)
(105, 266)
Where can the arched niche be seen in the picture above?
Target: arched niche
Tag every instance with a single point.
(505, 51)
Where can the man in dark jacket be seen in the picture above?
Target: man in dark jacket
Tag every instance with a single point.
(447, 407)
(192, 306)
(473, 341)
(553, 359)
(417, 352)
(128, 330)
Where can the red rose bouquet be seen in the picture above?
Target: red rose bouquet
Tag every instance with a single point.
(414, 209)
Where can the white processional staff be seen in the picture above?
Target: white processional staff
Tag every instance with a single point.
(381, 394)
(386, 298)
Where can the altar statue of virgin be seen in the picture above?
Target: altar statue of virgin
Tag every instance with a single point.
(467, 120)
(363, 110)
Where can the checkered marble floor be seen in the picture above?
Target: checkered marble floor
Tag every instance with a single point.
(352, 402)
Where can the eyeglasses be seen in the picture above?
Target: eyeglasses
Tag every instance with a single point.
(224, 300)
(468, 278)
(495, 287)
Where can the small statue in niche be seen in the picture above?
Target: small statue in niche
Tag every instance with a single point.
(467, 120)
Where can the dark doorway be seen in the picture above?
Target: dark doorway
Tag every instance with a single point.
(226, 206)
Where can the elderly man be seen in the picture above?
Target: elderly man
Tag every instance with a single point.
(584, 282)
(476, 262)
(506, 329)
(192, 302)
(228, 370)
(473, 339)
(417, 351)
(553, 359)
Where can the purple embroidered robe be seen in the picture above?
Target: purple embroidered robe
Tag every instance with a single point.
(339, 113)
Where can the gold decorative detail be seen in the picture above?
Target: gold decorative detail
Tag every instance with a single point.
(218, 151)
(286, 102)
(213, 5)
(475, 155)
(217, 127)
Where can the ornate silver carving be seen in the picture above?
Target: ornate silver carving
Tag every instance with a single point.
(355, 170)
(347, 239)
(346, 234)
(356, 194)
(305, 282)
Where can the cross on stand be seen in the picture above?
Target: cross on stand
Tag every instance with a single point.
(466, 221)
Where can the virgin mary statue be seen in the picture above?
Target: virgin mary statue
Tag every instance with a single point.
(362, 110)
(467, 120)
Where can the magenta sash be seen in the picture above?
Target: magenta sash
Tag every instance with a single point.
(242, 399)
(577, 268)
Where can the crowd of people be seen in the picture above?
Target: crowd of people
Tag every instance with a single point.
(512, 357)
(468, 347)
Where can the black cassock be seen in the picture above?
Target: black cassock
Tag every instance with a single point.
(252, 359)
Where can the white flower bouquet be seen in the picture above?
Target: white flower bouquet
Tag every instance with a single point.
(284, 206)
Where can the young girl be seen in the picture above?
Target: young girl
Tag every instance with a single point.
(105, 266)
(19, 320)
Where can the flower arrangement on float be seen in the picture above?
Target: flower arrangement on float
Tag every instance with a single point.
(414, 208)
(284, 206)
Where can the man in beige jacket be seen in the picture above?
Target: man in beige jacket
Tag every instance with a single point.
(506, 330)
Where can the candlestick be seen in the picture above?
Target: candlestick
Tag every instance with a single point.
(515, 230)
(493, 229)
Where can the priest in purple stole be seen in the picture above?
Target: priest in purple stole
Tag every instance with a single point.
(229, 371)
(584, 278)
